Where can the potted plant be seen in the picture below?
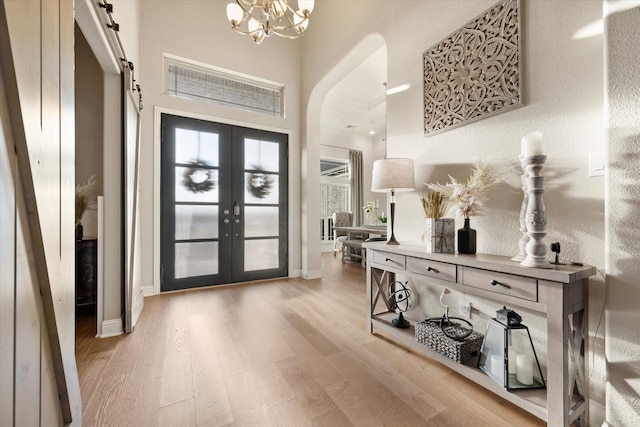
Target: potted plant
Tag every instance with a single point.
(369, 211)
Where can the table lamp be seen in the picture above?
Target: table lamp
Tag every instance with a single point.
(392, 175)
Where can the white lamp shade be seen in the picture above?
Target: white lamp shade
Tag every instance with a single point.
(393, 175)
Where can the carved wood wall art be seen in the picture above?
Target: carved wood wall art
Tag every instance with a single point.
(476, 72)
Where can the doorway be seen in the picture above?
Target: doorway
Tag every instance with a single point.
(223, 203)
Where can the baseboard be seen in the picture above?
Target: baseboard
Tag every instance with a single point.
(148, 291)
(111, 328)
(295, 273)
(311, 275)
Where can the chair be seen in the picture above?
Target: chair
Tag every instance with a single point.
(341, 219)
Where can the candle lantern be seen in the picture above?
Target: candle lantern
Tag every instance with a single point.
(507, 354)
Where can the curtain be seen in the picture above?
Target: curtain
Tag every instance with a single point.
(357, 197)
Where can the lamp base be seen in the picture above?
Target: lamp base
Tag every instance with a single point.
(392, 238)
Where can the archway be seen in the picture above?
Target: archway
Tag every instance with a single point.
(310, 215)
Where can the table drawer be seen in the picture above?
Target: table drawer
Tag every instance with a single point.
(389, 260)
(435, 269)
(506, 284)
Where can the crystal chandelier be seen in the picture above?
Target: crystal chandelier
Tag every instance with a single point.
(262, 18)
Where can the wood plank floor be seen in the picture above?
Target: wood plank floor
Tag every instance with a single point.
(278, 353)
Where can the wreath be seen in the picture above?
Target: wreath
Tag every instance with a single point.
(197, 177)
(260, 183)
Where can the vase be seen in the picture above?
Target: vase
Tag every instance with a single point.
(79, 232)
(440, 235)
(466, 239)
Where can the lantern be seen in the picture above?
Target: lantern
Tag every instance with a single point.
(507, 354)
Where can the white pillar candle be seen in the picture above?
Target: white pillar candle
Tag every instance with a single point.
(532, 144)
(524, 369)
(513, 354)
(497, 367)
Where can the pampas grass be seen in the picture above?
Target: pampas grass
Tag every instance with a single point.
(84, 197)
(468, 198)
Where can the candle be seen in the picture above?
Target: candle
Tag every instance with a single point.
(513, 354)
(532, 144)
(497, 367)
(524, 369)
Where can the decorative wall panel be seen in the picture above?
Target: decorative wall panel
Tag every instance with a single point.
(476, 72)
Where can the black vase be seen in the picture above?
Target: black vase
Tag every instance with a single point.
(466, 239)
(79, 232)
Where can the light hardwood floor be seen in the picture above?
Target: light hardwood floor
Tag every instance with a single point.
(278, 353)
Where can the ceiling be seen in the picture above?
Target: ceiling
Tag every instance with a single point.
(357, 103)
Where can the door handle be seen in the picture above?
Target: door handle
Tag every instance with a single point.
(236, 209)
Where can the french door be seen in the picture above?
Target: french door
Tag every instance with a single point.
(224, 203)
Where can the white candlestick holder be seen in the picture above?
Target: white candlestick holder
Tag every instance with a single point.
(536, 217)
(524, 238)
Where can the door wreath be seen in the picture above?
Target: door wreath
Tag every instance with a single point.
(197, 177)
(260, 183)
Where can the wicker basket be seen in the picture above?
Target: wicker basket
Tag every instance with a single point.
(431, 335)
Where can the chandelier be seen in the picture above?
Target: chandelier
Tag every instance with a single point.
(262, 18)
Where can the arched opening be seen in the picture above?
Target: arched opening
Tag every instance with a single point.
(311, 148)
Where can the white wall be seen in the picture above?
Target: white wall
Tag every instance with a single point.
(622, 32)
(199, 30)
(563, 81)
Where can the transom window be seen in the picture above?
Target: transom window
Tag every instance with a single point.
(200, 82)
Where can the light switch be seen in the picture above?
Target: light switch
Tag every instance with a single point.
(596, 163)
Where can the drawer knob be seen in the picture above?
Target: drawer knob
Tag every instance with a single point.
(495, 282)
(432, 269)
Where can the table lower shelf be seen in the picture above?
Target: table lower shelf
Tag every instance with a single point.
(533, 401)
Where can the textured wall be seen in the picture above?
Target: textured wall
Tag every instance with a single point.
(563, 80)
(622, 32)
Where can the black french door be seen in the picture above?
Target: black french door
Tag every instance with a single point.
(224, 203)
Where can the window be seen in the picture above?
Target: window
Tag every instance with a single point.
(205, 83)
(335, 193)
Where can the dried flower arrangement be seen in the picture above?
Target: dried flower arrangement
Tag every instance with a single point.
(84, 197)
(469, 197)
(434, 204)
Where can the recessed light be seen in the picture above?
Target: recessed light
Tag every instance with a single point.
(397, 89)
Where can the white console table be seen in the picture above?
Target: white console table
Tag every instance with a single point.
(561, 293)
